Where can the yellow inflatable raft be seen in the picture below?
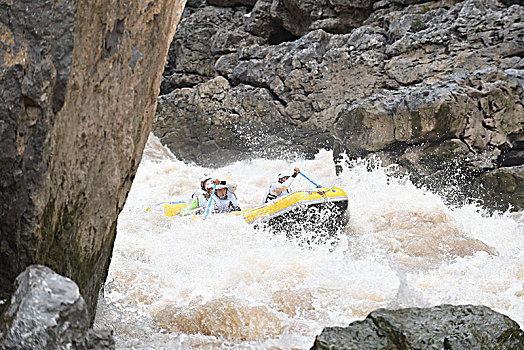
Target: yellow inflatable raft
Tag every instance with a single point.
(326, 207)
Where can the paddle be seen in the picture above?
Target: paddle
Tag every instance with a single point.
(210, 200)
(310, 180)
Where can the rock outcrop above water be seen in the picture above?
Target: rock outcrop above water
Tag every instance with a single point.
(439, 327)
(79, 82)
(502, 187)
(47, 312)
(409, 81)
(458, 127)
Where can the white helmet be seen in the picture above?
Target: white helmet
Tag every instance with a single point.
(209, 185)
(284, 173)
(203, 180)
(205, 177)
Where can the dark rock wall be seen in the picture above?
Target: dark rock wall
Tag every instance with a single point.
(397, 79)
(502, 186)
(36, 53)
(204, 34)
(210, 29)
(79, 85)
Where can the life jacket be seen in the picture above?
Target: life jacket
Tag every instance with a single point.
(201, 200)
(225, 205)
(271, 195)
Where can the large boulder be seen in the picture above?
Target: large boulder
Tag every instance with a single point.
(439, 327)
(216, 123)
(79, 84)
(47, 312)
(469, 123)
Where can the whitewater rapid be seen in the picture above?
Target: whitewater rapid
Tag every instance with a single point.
(175, 283)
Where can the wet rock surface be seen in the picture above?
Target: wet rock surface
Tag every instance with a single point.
(79, 84)
(210, 29)
(99, 339)
(503, 186)
(458, 128)
(47, 312)
(430, 72)
(439, 327)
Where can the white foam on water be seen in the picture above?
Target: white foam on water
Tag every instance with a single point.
(221, 283)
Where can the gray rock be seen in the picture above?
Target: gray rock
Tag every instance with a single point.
(444, 134)
(229, 3)
(439, 327)
(513, 156)
(210, 30)
(298, 17)
(46, 312)
(203, 35)
(261, 24)
(483, 109)
(99, 339)
(236, 121)
(293, 83)
(502, 187)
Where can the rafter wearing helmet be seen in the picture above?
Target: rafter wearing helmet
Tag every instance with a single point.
(200, 197)
(281, 186)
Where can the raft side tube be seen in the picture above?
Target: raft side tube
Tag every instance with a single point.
(174, 208)
(282, 205)
(325, 219)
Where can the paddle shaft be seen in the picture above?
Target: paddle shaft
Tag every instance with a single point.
(310, 180)
(210, 200)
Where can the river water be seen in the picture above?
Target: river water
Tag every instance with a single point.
(175, 283)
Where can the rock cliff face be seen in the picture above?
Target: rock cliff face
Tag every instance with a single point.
(435, 87)
(79, 83)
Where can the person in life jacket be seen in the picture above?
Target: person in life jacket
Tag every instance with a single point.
(280, 188)
(223, 201)
(200, 197)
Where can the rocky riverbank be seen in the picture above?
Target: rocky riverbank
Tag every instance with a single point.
(435, 87)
